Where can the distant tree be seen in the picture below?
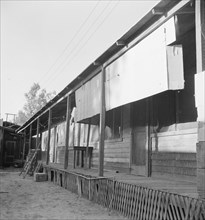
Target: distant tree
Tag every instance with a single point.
(36, 98)
(21, 117)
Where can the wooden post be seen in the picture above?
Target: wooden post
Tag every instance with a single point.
(24, 145)
(73, 134)
(102, 124)
(37, 133)
(148, 137)
(87, 145)
(199, 94)
(30, 138)
(2, 146)
(39, 155)
(132, 135)
(68, 111)
(78, 154)
(177, 107)
(199, 10)
(74, 153)
(55, 142)
(49, 136)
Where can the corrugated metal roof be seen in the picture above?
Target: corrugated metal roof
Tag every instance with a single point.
(60, 101)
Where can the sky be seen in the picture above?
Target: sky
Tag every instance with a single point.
(52, 42)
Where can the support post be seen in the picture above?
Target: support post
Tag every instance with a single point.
(55, 144)
(132, 135)
(78, 154)
(68, 111)
(87, 145)
(49, 136)
(148, 137)
(199, 94)
(102, 124)
(199, 10)
(37, 133)
(30, 138)
(1, 147)
(24, 145)
(74, 152)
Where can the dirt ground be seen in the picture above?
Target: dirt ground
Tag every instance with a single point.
(25, 199)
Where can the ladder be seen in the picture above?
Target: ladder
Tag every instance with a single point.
(30, 163)
(38, 167)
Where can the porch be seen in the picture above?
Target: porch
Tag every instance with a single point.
(135, 197)
(167, 184)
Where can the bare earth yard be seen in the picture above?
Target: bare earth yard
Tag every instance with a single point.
(25, 199)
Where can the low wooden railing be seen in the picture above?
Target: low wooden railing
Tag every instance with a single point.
(132, 201)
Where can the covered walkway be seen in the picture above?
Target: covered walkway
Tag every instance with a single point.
(133, 196)
(167, 184)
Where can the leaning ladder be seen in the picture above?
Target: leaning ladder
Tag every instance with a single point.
(38, 167)
(30, 163)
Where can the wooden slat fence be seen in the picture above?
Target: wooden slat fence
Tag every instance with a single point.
(132, 201)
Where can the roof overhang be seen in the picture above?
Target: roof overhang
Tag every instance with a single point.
(150, 22)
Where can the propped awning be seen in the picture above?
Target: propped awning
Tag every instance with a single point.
(149, 68)
(88, 99)
(144, 26)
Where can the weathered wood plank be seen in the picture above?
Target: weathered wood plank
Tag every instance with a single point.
(173, 163)
(49, 136)
(68, 111)
(173, 156)
(102, 124)
(186, 171)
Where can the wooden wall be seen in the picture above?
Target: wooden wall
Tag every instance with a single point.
(117, 151)
(173, 147)
(1, 146)
(11, 147)
(174, 151)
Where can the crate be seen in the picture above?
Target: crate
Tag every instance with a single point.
(40, 177)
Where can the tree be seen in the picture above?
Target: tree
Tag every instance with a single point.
(36, 98)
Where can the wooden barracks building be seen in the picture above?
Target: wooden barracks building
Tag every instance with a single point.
(139, 107)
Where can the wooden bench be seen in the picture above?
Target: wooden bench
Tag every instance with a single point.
(81, 150)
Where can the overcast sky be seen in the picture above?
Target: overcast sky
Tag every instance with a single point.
(51, 42)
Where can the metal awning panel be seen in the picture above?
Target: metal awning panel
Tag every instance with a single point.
(88, 99)
(148, 23)
(146, 69)
(149, 68)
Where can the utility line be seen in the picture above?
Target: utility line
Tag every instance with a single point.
(78, 43)
(69, 43)
(91, 35)
(79, 49)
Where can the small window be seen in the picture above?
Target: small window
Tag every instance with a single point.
(113, 129)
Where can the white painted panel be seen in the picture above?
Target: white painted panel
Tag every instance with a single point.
(200, 103)
(143, 71)
(51, 145)
(175, 67)
(44, 141)
(200, 95)
(139, 73)
(175, 143)
(88, 99)
(170, 31)
(61, 134)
